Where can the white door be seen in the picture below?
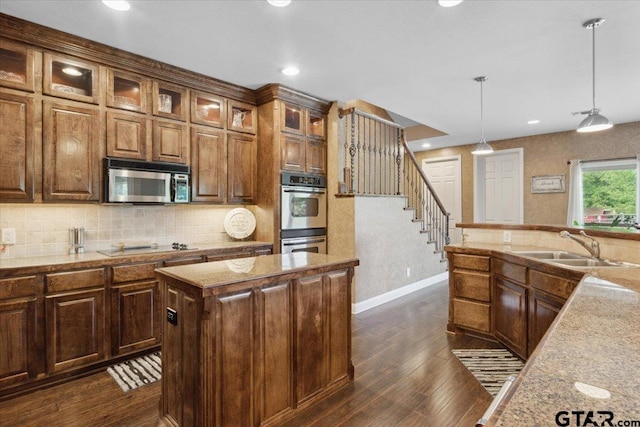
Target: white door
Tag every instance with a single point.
(444, 174)
(498, 184)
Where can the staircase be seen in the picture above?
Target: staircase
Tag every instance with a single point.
(377, 161)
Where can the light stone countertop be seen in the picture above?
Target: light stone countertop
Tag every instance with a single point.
(96, 259)
(595, 340)
(207, 276)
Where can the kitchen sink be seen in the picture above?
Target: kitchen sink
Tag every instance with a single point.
(572, 260)
(549, 255)
(592, 262)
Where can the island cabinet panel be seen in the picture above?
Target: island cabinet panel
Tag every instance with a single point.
(235, 359)
(339, 326)
(75, 319)
(16, 147)
(181, 387)
(21, 357)
(135, 308)
(311, 335)
(510, 315)
(276, 368)
(71, 152)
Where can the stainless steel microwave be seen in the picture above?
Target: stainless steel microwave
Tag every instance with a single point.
(132, 181)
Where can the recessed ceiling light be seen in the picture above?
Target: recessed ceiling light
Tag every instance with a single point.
(449, 3)
(426, 145)
(279, 3)
(117, 4)
(72, 71)
(290, 71)
(533, 122)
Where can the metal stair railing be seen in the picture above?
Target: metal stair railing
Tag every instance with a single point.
(376, 160)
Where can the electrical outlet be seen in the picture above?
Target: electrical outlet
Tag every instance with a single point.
(408, 271)
(506, 236)
(172, 316)
(9, 236)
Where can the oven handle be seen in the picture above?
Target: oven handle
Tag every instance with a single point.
(300, 241)
(303, 190)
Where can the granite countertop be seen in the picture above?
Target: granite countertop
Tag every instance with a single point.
(593, 341)
(96, 259)
(221, 273)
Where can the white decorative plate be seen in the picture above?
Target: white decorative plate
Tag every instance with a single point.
(239, 223)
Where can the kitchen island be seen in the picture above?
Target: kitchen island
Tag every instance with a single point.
(254, 340)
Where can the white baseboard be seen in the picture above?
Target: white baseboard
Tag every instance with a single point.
(359, 307)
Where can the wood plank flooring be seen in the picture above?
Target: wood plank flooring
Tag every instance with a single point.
(405, 375)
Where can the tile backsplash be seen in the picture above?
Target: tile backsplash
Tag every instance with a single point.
(43, 229)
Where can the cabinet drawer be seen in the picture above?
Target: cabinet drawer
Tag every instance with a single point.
(182, 261)
(74, 280)
(18, 287)
(472, 285)
(470, 314)
(471, 262)
(229, 255)
(551, 284)
(130, 273)
(514, 272)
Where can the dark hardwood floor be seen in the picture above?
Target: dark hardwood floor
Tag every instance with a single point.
(405, 375)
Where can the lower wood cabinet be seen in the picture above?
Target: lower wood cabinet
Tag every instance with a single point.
(543, 309)
(510, 315)
(75, 319)
(21, 356)
(135, 308)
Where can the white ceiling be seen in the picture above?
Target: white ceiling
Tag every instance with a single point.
(413, 58)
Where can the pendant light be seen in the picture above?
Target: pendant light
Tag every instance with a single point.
(594, 121)
(482, 147)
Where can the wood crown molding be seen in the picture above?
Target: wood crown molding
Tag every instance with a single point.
(44, 37)
(275, 91)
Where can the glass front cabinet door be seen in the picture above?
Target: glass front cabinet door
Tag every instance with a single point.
(16, 66)
(127, 91)
(69, 78)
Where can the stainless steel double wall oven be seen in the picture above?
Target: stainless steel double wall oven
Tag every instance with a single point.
(303, 213)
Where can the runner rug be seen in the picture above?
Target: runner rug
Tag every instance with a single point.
(135, 373)
(491, 367)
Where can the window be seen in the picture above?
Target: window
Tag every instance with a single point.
(610, 192)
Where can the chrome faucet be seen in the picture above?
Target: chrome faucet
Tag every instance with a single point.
(593, 247)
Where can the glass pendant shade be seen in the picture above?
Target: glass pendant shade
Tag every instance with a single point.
(594, 122)
(482, 148)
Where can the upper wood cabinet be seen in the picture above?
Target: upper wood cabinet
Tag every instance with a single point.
(71, 78)
(127, 91)
(242, 117)
(304, 148)
(16, 148)
(16, 66)
(170, 142)
(71, 152)
(126, 135)
(208, 165)
(241, 168)
(169, 101)
(208, 109)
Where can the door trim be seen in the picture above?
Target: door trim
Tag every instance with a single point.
(478, 182)
(458, 158)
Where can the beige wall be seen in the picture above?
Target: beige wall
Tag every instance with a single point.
(547, 155)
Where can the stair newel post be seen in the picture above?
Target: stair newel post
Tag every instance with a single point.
(399, 157)
(352, 153)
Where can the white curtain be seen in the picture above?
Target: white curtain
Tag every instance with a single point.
(575, 214)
